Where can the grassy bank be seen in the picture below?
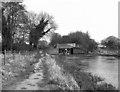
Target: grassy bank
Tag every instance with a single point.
(85, 80)
(18, 68)
(109, 52)
(58, 77)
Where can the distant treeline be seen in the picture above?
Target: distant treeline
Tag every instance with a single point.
(111, 42)
(80, 38)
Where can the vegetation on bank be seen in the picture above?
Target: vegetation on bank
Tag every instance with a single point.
(58, 76)
(62, 74)
(17, 68)
(111, 46)
(85, 80)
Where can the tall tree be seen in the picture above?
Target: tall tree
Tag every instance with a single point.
(55, 39)
(11, 12)
(5, 33)
(45, 24)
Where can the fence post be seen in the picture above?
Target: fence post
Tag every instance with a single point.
(13, 54)
(4, 56)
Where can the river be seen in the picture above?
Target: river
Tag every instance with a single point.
(102, 66)
(105, 67)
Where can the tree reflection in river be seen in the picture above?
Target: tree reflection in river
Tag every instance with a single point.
(105, 67)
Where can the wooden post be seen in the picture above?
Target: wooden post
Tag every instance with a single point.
(4, 56)
(13, 54)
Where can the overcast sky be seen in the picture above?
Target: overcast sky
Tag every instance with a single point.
(98, 17)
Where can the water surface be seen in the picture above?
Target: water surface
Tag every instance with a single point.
(105, 67)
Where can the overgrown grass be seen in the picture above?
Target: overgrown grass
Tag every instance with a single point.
(16, 68)
(59, 77)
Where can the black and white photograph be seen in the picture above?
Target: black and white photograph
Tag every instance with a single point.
(59, 45)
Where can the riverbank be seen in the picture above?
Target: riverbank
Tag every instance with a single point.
(45, 74)
(107, 52)
(86, 81)
(57, 74)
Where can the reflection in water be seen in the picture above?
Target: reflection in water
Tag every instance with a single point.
(105, 67)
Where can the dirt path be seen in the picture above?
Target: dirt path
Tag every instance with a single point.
(32, 82)
(48, 75)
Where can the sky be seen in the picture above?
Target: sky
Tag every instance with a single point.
(98, 17)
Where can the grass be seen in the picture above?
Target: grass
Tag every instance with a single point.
(85, 80)
(59, 77)
(17, 68)
(57, 72)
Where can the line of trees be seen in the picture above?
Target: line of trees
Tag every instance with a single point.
(20, 27)
(22, 30)
(111, 42)
(80, 38)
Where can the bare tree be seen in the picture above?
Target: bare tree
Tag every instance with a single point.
(44, 24)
